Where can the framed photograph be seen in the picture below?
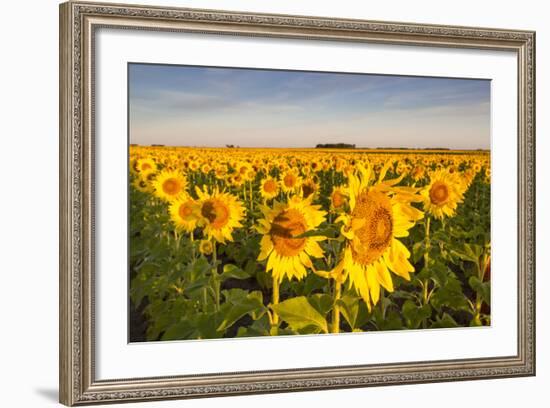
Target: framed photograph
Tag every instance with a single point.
(256, 203)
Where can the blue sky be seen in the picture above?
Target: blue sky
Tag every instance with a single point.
(200, 106)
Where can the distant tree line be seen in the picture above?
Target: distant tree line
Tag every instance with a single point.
(335, 146)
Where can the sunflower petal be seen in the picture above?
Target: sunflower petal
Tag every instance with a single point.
(266, 246)
(384, 276)
(374, 285)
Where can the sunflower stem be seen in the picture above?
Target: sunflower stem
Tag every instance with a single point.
(275, 301)
(192, 239)
(251, 197)
(426, 263)
(215, 273)
(176, 239)
(482, 267)
(336, 307)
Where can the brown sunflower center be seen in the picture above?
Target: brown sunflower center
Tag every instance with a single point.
(216, 212)
(185, 210)
(270, 186)
(145, 166)
(439, 193)
(289, 180)
(376, 233)
(284, 228)
(171, 186)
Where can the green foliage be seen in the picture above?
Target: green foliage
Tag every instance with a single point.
(300, 315)
(184, 294)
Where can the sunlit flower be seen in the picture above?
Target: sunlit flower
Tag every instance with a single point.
(269, 188)
(184, 213)
(146, 166)
(290, 181)
(287, 253)
(220, 214)
(169, 185)
(206, 247)
(380, 213)
(338, 199)
(443, 194)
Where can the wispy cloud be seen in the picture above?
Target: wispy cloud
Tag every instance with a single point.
(182, 105)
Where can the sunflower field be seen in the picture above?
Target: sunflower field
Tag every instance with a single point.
(231, 242)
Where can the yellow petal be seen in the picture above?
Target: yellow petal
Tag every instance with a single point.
(304, 258)
(272, 261)
(266, 246)
(396, 257)
(299, 268)
(384, 276)
(374, 285)
(384, 170)
(313, 249)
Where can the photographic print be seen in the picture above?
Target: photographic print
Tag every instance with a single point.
(276, 202)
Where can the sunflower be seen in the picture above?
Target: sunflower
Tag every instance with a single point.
(379, 214)
(290, 181)
(220, 171)
(286, 253)
(169, 185)
(309, 187)
(243, 168)
(220, 214)
(338, 199)
(269, 188)
(205, 168)
(206, 247)
(184, 213)
(146, 166)
(142, 184)
(487, 177)
(417, 172)
(235, 180)
(443, 194)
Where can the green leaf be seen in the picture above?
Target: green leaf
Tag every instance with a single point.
(321, 302)
(299, 314)
(401, 294)
(234, 295)
(260, 327)
(250, 267)
(468, 252)
(414, 314)
(482, 288)
(354, 311)
(324, 232)
(232, 271)
(207, 325)
(450, 295)
(391, 322)
(237, 307)
(313, 282)
(349, 307)
(440, 273)
(199, 269)
(198, 284)
(445, 321)
(418, 251)
(179, 331)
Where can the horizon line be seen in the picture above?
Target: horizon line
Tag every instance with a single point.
(311, 147)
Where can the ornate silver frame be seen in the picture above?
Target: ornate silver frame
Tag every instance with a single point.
(78, 22)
